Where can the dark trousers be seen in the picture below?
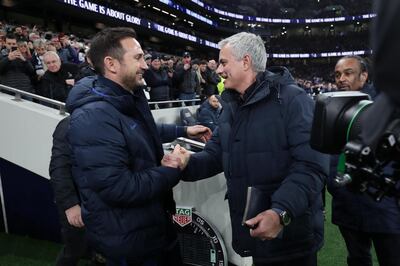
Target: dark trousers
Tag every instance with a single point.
(387, 247)
(170, 257)
(310, 260)
(75, 246)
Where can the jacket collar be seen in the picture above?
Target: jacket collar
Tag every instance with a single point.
(259, 91)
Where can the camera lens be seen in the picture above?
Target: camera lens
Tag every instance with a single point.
(337, 119)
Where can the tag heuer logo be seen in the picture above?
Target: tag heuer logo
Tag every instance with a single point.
(183, 216)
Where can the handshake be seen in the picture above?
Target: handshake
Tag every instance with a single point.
(178, 158)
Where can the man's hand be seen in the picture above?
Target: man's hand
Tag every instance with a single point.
(70, 82)
(186, 66)
(199, 132)
(74, 216)
(13, 55)
(178, 158)
(266, 225)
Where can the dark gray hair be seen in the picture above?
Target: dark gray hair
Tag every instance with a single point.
(245, 43)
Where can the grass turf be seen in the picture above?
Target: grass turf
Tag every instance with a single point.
(25, 251)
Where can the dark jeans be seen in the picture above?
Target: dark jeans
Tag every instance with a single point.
(170, 257)
(187, 96)
(387, 247)
(75, 246)
(310, 260)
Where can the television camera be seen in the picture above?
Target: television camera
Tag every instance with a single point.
(368, 136)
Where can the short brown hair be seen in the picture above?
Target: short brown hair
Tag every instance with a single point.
(108, 43)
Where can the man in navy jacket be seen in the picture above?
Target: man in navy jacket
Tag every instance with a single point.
(361, 220)
(262, 140)
(126, 195)
(208, 112)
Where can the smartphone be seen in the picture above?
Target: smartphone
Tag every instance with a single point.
(14, 48)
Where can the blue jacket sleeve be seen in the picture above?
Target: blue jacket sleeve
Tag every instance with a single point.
(103, 164)
(309, 168)
(206, 163)
(206, 118)
(169, 132)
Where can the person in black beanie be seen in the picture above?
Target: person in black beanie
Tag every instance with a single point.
(158, 80)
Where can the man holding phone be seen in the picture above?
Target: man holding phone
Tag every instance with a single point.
(15, 70)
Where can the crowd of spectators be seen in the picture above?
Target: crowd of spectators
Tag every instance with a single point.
(49, 63)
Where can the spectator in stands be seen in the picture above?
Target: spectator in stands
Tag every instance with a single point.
(2, 37)
(2, 41)
(196, 68)
(67, 200)
(208, 112)
(15, 70)
(23, 48)
(361, 220)
(33, 36)
(262, 140)
(170, 68)
(351, 74)
(126, 194)
(37, 57)
(210, 79)
(158, 80)
(186, 78)
(221, 84)
(212, 64)
(164, 61)
(58, 79)
(25, 33)
(64, 49)
(86, 69)
(171, 65)
(147, 59)
(19, 35)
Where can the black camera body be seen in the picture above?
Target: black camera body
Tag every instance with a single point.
(372, 164)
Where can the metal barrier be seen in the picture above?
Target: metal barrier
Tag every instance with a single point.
(179, 102)
(61, 106)
(19, 93)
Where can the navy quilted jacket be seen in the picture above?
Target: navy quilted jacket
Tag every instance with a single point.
(264, 142)
(116, 146)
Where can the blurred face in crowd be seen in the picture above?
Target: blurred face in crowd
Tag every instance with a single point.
(212, 64)
(51, 47)
(33, 37)
(231, 69)
(186, 60)
(129, 71)
(41, 50)
(170, 63)
(56, 43)
(213, 101)
(348, 75)
(156, 64)
(203, 67)
(11, 43)
(18, 30)
(148, 61)
(24, 30)
(164, 62)
(23, 47)
(52, 62)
